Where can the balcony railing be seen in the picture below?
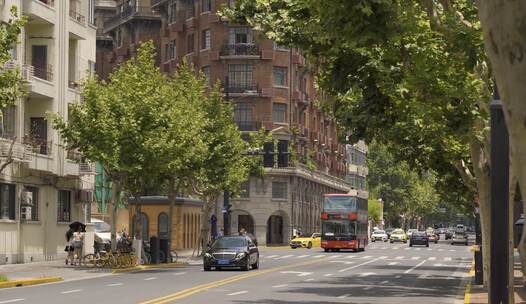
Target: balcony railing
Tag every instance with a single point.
(240, 49)
(45, 73)
(39, 146)
(126, 14)
(85, 167)
(242, 88)
(77, 16)
(248, 125)
(26, 71)
(20, 151)
(47, 2)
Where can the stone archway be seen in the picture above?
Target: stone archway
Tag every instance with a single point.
(242, 219)
(278, 228)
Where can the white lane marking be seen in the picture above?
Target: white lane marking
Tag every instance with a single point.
(440, 249)
(438, 265)
(418, 249)
(298, 273)
(149, 279)
(429, 249)
(344, 262)
(71, 291)
(452, 250)
(179, 273)
(309, 280)
(383, 248)
(432, 259)
(285, 256)
(344, 296)
(415, 267)
(367, 257)
(407, 248)
(350, 256)
(399, 257)
(367, 288)
(447, 259)
(279, 286)
(356, 266)
(415, 258)
(393, 263)
(423, 276)
(396, 248)
(383, 257)
(319, 256)
(303, 256)
(335, 256)
(384, 282)
(115, 284)
(328, 275)
(398, 276)
(365, 274)
(237, 293)
(272, 256)
(13, 300)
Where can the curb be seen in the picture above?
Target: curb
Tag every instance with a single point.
(147, 267)
(27, 282)
(467, 293)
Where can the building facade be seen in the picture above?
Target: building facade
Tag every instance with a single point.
(46, 187)
(357, 166)
(271, 87)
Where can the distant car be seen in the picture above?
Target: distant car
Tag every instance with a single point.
(418, 238)
(449, 234)
(398, 235)
(410, 232)
(306, 242)
(102, 234)
(432, 237)
(232, 252)
(388, 232)
(461, 238)
(379, 235)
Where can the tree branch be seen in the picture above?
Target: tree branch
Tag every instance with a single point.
(9, 158)
(466, 175)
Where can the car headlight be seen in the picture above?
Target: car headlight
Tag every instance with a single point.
(208, 255)
(240, 255)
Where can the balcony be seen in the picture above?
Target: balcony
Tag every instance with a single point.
(77, 165)
(242, 89)
(77, 16)
(26, 71)
(40, 11)
(39, 146)
(142, 12)
(45, 72)
(240, 49)
(19, 151)
(248, 125)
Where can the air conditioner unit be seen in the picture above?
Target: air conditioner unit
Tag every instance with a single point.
(85, 196)
(26, 198)
(25, 213)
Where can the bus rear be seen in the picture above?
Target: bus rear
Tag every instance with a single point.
(344, 222)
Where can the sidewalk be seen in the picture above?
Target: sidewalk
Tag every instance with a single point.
(477, 294)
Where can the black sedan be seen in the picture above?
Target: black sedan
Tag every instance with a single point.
(419, 238)
(232, 252)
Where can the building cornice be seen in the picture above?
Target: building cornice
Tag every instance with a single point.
(312, 175)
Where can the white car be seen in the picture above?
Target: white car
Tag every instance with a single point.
(459, 238)
(102, 231)
(379, 235)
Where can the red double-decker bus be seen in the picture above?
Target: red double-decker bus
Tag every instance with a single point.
(344, 222)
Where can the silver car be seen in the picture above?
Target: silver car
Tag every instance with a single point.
(459, 238)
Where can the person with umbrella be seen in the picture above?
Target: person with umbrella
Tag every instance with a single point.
(78, 240)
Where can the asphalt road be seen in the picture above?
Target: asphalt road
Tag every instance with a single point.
(384, 273)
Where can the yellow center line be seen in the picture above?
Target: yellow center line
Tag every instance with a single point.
(190, 291)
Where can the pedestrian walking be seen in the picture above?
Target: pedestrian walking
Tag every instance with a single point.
(78, 242)
(69, 246)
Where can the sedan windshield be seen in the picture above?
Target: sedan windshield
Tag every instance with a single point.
(230, 243)
(379, 232)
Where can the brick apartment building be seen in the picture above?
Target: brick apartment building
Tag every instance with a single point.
(271, 86)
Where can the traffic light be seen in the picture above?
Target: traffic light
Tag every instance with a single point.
(268, 154)
(283, 153)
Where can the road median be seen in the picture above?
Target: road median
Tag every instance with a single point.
(28, 282)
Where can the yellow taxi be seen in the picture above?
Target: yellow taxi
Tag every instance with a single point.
(398, 235)
(306, 242)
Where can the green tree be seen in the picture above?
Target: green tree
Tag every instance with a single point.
(409, 73)
(12, 86)
(375, 209)
(118, 125)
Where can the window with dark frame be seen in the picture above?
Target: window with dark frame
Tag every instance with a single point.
(162, 226)
(171, 50)
(245, 190)
(279, 76)
(64, 206)
(34, 207)
(190, 44)
(206, 6)
(240, 35)
(190, 9)
(172, 11)
(7, 202)
(243, 116)
(279, 190)
(206, 39)
(279, 112)
(9, 115)
(206, 73)
(240, 76)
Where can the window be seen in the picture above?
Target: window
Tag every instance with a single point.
(162, 222)
(34, 207)
(206, 6)
(279, 112)
(206, 74)
(240, 35)
(280, 47)
(205, 42)
(279, 190)
(144, 225)
(118, 37)
(172, 11)
(240, 77)
(64, 206)
(190, 46)
(245, 190)
(190, 9)
(7, 202)
(171, 50)
(8, 123)
(279, 76)
(243, 116)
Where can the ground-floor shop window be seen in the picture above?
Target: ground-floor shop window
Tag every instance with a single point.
(64, 206)
(7, 202)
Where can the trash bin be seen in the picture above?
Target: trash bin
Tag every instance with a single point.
(154, 250)
(163, 244)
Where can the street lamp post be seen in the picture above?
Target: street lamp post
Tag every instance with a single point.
(499, 245)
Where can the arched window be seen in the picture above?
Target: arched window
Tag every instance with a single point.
(145, 235)
(162, 224)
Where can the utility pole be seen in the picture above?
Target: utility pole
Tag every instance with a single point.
(499, 287)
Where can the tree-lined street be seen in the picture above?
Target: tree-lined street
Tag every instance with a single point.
(384, 273)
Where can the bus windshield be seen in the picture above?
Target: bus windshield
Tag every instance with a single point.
(340, 203)
(338, 228)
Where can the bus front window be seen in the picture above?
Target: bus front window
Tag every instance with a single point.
(339, 204)
(338, 228)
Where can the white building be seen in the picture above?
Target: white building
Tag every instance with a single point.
(57, 49)
(357, 166)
